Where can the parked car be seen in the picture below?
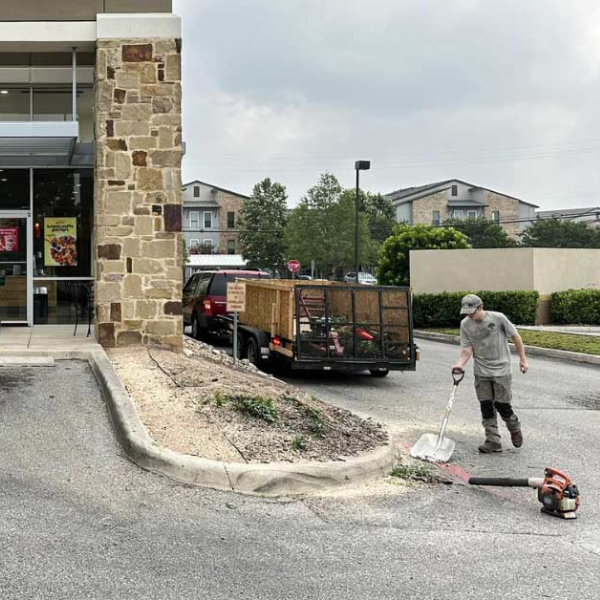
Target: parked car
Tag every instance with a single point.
(363, 278)
(205, 299)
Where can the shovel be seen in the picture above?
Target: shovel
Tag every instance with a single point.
(437, 448)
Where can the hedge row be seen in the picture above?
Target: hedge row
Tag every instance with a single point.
(576, 307)
(443, 310)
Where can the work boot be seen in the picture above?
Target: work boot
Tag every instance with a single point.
(517, 438)
(488, 447)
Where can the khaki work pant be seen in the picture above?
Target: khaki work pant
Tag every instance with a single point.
(495, 397)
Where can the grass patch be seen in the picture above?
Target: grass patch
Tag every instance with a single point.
(316, 424)
(587, 344)
(421, 473)
(298, 443)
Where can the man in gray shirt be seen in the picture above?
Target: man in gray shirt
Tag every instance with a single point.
(484, 336)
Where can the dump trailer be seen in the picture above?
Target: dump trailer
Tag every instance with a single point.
(327, 326)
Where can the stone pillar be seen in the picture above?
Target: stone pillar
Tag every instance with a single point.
(138, 245)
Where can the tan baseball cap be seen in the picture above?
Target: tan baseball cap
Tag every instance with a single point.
(469, 304)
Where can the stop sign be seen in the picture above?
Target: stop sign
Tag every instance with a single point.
(293, 266)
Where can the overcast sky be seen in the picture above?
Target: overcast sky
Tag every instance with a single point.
(504, 94)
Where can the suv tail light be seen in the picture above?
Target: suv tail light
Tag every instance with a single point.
(208, 307)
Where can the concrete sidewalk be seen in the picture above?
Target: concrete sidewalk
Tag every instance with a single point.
(46, 339)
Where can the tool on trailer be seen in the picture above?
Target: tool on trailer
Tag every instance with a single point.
(557, 493)
(437, 448)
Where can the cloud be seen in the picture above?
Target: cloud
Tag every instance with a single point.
(503, 94)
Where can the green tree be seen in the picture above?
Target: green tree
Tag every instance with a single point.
(552, 233)
(378, 210)
(394, 263)
(322, 228)
(482, 233)
(263, 219)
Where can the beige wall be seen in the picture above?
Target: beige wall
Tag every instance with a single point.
(435, 271)
(546, 270)
(422, 209)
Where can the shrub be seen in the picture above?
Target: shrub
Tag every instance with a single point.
(443, 310)
(255, 406)
(576, 307)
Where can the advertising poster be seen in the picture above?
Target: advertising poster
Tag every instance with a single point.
(9, 239)
(60, 242)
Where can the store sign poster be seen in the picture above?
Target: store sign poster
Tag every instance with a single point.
(60, 242)
(9, 239)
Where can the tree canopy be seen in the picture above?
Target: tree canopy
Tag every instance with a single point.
(554, 233)
(482, 233)
(394, 262)
(263, 219)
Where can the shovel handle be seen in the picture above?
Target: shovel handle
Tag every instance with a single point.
(458, 375)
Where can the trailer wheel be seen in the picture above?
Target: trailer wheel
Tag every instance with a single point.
(252, 351)
(379, 372)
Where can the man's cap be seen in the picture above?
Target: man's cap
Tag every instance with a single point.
(469, 304)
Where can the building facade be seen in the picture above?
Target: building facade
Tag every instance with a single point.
(210, 218)
(434, 203)
(90, 166)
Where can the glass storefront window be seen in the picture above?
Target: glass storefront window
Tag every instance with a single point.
(62, 222)
(15, 104)
(14, 189)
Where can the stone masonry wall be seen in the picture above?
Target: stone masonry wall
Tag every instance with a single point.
(229, 203)
(423, 208)
(138, 245)
(509, 211)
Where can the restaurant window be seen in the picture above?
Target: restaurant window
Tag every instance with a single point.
(14, 189)
(231, 247)
(230, 220)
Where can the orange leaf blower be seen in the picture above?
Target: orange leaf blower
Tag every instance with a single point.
(557, 493)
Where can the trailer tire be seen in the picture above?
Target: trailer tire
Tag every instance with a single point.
(379, 372)
(252, 351)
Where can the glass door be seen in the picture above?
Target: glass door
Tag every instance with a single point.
(15, 272)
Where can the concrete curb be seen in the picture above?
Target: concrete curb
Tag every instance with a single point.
(273, 479)
(564, 355)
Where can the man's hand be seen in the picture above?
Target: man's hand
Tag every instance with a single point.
(523, 366)
(459, 366)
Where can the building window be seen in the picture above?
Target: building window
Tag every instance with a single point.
(230, 220)
(207, 220)
(458, 214)
(496, 216)
(436, 217)
(455, 190)
(472, 214)
(196, 191)
(194, 243)
(194, 220)
(231, 247)
(207, 242)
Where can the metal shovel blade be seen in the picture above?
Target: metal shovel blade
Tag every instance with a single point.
(431, 448)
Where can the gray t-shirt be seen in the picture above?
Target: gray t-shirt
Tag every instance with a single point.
(489, 340)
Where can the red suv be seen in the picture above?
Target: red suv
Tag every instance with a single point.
(205, 298)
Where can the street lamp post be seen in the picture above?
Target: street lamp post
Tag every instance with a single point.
(359, 165)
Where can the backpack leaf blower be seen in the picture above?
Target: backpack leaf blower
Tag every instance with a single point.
(557, 493)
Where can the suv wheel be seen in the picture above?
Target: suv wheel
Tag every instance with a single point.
(379, 372)
(195, 327)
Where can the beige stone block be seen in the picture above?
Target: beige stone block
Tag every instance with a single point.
(161, 89)
(173, 67)
(128, 80)
(149, 179)
(132, 247)
(120, 231)
(122, 165)
(166, 137)
(118, 203)
(143, 225)
(142, 143)
(159, 249)
(108, 292)
(172, 178)
(146, 309)
(132, 128)
(105, 220)
(113, 266)
(173, 120)
(165, 158)
(128, 309)
(161, 327)
(132, 287)
(148, 73)
(104, 95)
(159, 294)
(147, 266)
(136, 112)
(133, 325)
(162, 47)
(174, 273)
(103, 313)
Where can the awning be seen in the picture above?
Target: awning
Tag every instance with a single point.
(216, 261)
